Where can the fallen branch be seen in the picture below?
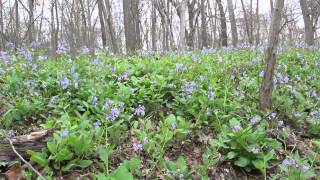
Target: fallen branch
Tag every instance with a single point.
(23, 160)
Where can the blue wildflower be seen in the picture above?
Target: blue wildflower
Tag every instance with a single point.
(236, 128)
(64, 83)
(97, 123)
(114, 113)
(64, 133)
(139, 111)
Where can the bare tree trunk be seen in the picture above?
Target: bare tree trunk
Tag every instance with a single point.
(102, 24)
(273, 38)
(308, 24)
(182, 9)
(112, 31)
(31, 27)
(84, 24)
(257, 24)
(1, 25)
(153, 26)
(271, 6)
(223, 23)
(131, 24)
(234, 32)
(17, 21)
(204, 35)
(246, 22)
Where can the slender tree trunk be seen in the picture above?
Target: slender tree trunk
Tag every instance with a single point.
(223, 24)
(232, 18)
(1, 25)
(102, 24)
(308, 24)
(153, 26)
(246, 22)
(84, 24)
(273, 38)
(31, 30)
(112, 31)
(204, 35)
(183, 7)
(17, 21)
(257, 24)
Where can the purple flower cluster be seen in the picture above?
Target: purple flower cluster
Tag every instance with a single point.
(114, 113)
(61, 49)
(139, 111)
(179, 66)
(211, 95)
(64, 83)
(64, 133)
(137, 147)
(236, 128)
(5, 57)
(189, 88)
(255, 119)
(95, 100)
(124, 76)
(107, 104)
(97, 123)
(85, 51)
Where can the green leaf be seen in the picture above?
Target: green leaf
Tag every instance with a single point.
(84, 163)
(122, 173)
(52, 147)
(232, 155)
(40, 158)
(242, 162)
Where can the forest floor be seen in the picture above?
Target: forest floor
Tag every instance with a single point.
(187, 115)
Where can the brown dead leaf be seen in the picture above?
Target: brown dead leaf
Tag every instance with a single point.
(14, 172)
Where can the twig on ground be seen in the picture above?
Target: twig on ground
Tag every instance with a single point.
(22, 159)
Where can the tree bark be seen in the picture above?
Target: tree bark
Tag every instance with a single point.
(153, 26)
(31, 26)
(204, 35)
(131, 24)
(17, 24)
(308, 24)
(112, 31)
(182, 9)
(102, 24)
(257, 24)
(273, 38)
(246, 22)
(233, 24)
(223, 24)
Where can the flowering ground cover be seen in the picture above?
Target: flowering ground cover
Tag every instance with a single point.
(188, 115)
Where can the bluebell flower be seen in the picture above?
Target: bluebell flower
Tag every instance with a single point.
(107, 104)
(139, 111)
(255, 119)
(173, 126)
(114, 113)
(305, 168)
(85, 51)
(288, 162)
(236, 128)
(35, 44)
(261, 74)
(61, 49)
(97, 123)
(137, 147)
(145, 140)
(254, 150)
(95, 100)
(64, 83)
(64, 133)
(5, 57)
(211, 95)
(179, 66)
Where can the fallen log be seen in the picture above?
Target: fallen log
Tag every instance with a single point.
(34, 141)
